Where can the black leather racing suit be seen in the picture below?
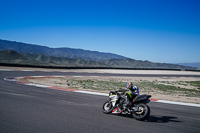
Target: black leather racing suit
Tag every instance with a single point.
(130, 94)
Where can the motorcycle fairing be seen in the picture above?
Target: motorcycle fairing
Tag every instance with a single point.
(116, 110)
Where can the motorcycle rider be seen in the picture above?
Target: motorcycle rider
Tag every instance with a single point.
(130, 92)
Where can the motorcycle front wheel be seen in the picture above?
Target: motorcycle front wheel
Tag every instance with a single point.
(142, 113)
(107, 107)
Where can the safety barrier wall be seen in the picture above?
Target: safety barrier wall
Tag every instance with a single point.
(65, 67)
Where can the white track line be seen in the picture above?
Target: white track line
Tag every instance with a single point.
(93, 93)
(36, 76)
(37, 85)
(160, 101)
(179, 103)
(6, 70)
(46, 71)
(59, 76)
(10, 79)
(101, 94)
(27, 70)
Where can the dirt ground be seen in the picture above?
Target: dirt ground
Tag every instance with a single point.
(77, 84)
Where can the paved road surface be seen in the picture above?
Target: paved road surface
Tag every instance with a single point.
(28, 109)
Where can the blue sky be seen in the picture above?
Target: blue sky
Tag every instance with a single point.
(156, 30)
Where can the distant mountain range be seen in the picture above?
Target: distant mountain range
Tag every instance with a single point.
(195, 64)
(57, 52)
(9, 56)
(22, 53)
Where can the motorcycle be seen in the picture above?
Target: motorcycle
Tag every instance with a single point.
(138, 108)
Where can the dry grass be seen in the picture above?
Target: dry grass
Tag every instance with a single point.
(174, 89)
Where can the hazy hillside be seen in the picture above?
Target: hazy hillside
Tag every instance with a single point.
(131, 63)
(14, 57)
(56, 52)
(60, 61)
(195, 64)
(9, 56)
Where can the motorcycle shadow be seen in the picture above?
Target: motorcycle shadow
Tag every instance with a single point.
(162, 119)
(156, 119)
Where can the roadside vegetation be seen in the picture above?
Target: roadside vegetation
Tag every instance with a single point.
(178, 88)
(160, 88)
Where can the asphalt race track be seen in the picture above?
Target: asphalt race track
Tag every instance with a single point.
(29, 109)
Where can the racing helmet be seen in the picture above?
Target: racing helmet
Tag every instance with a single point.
(129, 85)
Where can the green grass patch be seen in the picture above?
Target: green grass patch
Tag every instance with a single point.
(194, 83)
(144, 86)
(95, 84)
(169, 89)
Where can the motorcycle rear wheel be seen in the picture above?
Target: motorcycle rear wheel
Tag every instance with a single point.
(142, 113)
(107, 107)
